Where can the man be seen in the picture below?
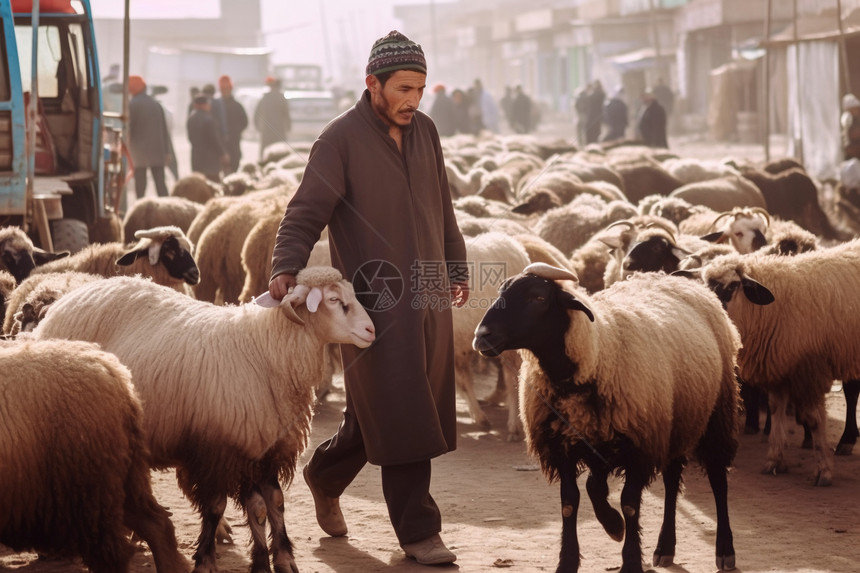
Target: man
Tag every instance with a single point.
(237, 121)
(208, 153)
(652, 121)
(521, 111)
(615, 116)
(489, 109)
(442, 111)
(594, 112)
(216, 108)
(148, 137)
(272, 116)
(376, 177)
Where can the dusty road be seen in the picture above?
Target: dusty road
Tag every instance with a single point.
(500, 513)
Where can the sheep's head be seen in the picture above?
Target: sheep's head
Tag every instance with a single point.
(19, 256)
(531, 312)
(745, 229)
(168, 246)
(727, 276)
(337, 314)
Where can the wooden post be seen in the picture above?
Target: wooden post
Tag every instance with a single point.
(766, 121)
(798, 95)
(843, 53)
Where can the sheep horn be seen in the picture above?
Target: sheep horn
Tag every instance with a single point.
(550, 272)
(623, 222)
(295, 298)
(721, 216)
(764, 214)
(665, 227)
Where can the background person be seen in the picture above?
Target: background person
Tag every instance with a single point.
(237, 121)
(272, 115)
(148, 138)
(208, 153)
(376, 177)
(652, 121)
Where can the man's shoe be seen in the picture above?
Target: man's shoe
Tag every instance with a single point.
(328, 511)
(430, 551)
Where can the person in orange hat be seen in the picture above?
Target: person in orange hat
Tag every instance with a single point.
(236, 121)
(272, 115)
(148, 137)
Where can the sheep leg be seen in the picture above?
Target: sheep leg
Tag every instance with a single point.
(282, 548)
(664, 553)
(569, 556)
(466, 383)
(851, 389)
(151, 522)
(752, 398)
(778, 439)
(598, 492)
(816, 418)
(255, 509)
(631, 502)
(508, 369)
(211, 512)
(725, 550)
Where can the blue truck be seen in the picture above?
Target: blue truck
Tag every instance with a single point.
(61, 166)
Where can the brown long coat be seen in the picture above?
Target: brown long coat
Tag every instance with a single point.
(393, 233)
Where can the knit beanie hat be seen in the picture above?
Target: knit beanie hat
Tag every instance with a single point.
(395, 52)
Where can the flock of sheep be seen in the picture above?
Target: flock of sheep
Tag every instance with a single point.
(616, 265)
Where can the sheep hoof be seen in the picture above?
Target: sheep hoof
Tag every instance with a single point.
(222, 533)
(844, 449)
(823, 479)
(726, 562)
(663, 560)
(775, 468)
(516, 435)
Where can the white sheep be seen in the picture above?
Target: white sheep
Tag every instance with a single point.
(491, 257)
(798, 320)
(607, 383)
(228, 391)
(76, 478)
(150, 212)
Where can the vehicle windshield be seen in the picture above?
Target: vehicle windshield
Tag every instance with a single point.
(50, 71)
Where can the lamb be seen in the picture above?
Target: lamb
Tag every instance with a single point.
(227, 391)
(163, 253)
(76, 476)
(789, 350)
(607, 384)
(152, 212)
(18, 256)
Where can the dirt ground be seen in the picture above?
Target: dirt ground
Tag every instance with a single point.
(500, 513)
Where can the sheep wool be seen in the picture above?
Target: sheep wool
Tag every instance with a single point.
(64, 494)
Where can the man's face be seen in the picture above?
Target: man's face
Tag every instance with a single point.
(396, 103)
(226, 90)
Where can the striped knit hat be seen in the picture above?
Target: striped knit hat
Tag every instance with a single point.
(395, 52)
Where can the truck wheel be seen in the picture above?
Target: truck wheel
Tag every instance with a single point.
(69, 235)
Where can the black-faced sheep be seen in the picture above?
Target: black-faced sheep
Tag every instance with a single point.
(76, 478)
(228, 391)
(18, 256)
(607, 383)
(163, 253)
(798, 321)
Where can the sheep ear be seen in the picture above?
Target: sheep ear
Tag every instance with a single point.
(294, 299)
(154, 252)
(314, 299)
(713, 237)
(756, 292)
(41, 257)
(130, 256)
(572, 303)
(680, 253)
(685, 273)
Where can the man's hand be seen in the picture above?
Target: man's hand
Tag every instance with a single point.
(459, 294)
(280, 285)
